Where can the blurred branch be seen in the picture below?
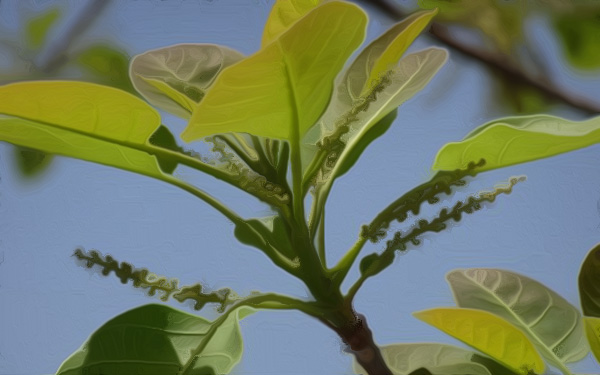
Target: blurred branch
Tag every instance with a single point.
(497, 62)
(54, 55)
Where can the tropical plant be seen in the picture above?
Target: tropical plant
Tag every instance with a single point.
(515, 320)
(284, 122)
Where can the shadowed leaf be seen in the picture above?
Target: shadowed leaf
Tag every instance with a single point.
(157, 339)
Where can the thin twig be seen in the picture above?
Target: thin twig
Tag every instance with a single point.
(498, 62)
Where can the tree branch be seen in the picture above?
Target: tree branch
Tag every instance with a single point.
(498, 62)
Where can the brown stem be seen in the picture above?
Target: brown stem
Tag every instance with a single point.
(499, 63)
(356, 334)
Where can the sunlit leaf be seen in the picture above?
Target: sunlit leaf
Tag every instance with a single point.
(284, 14)
(175, 78)
(589, 283)
(382, 55)
(282, 90)
(592, 330)
(54, 140)
(489, 334)
(515, 140)
(106, 112)
(157, 339)
(439, 359)
(37, 28)
(550, 322)
(80, 120)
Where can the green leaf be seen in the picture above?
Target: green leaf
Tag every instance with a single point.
(107, 65)
(592, 330)
(281, 91)
(515, 140)
(349, 130)
(31, 162)
(37, 28)
(80, 120)
(589, 283)
(284, 14)
(177, 77)
(439, 359)
(579, 33)
(157, 339)
(87, 108)
(381, 55)
(551, 323)
(363, 142)
(489, 334)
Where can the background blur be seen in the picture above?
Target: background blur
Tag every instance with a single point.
(50, 206)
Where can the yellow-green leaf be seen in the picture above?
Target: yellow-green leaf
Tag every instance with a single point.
(104, 111)
(383, 53)
(517, 140)
(284, 14)
(282, 90)
(489, 334)
(592, 330)
(54, 140)
(80, 120)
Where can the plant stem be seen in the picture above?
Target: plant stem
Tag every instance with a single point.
(358, 337)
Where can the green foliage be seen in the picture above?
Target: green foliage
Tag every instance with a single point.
(488, 333)
(282, 122)
(515, 140)
(579, 33)
(175, 78)
(552, 324)
(293, 74)
(500, 21)
(38, 27)
(157, 339)
(439, 359)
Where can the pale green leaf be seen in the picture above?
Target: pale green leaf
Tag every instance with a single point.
(489, 334)
(439, 359)
(592, 330)
(281, 91)
(515, 140)
(411, 75)
(550, 322)
(284, 14)
(589, 283)
(175, 78)
(157, 339)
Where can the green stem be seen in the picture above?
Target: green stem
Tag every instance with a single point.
(263, 301)
(321, 242)
(342, 268)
